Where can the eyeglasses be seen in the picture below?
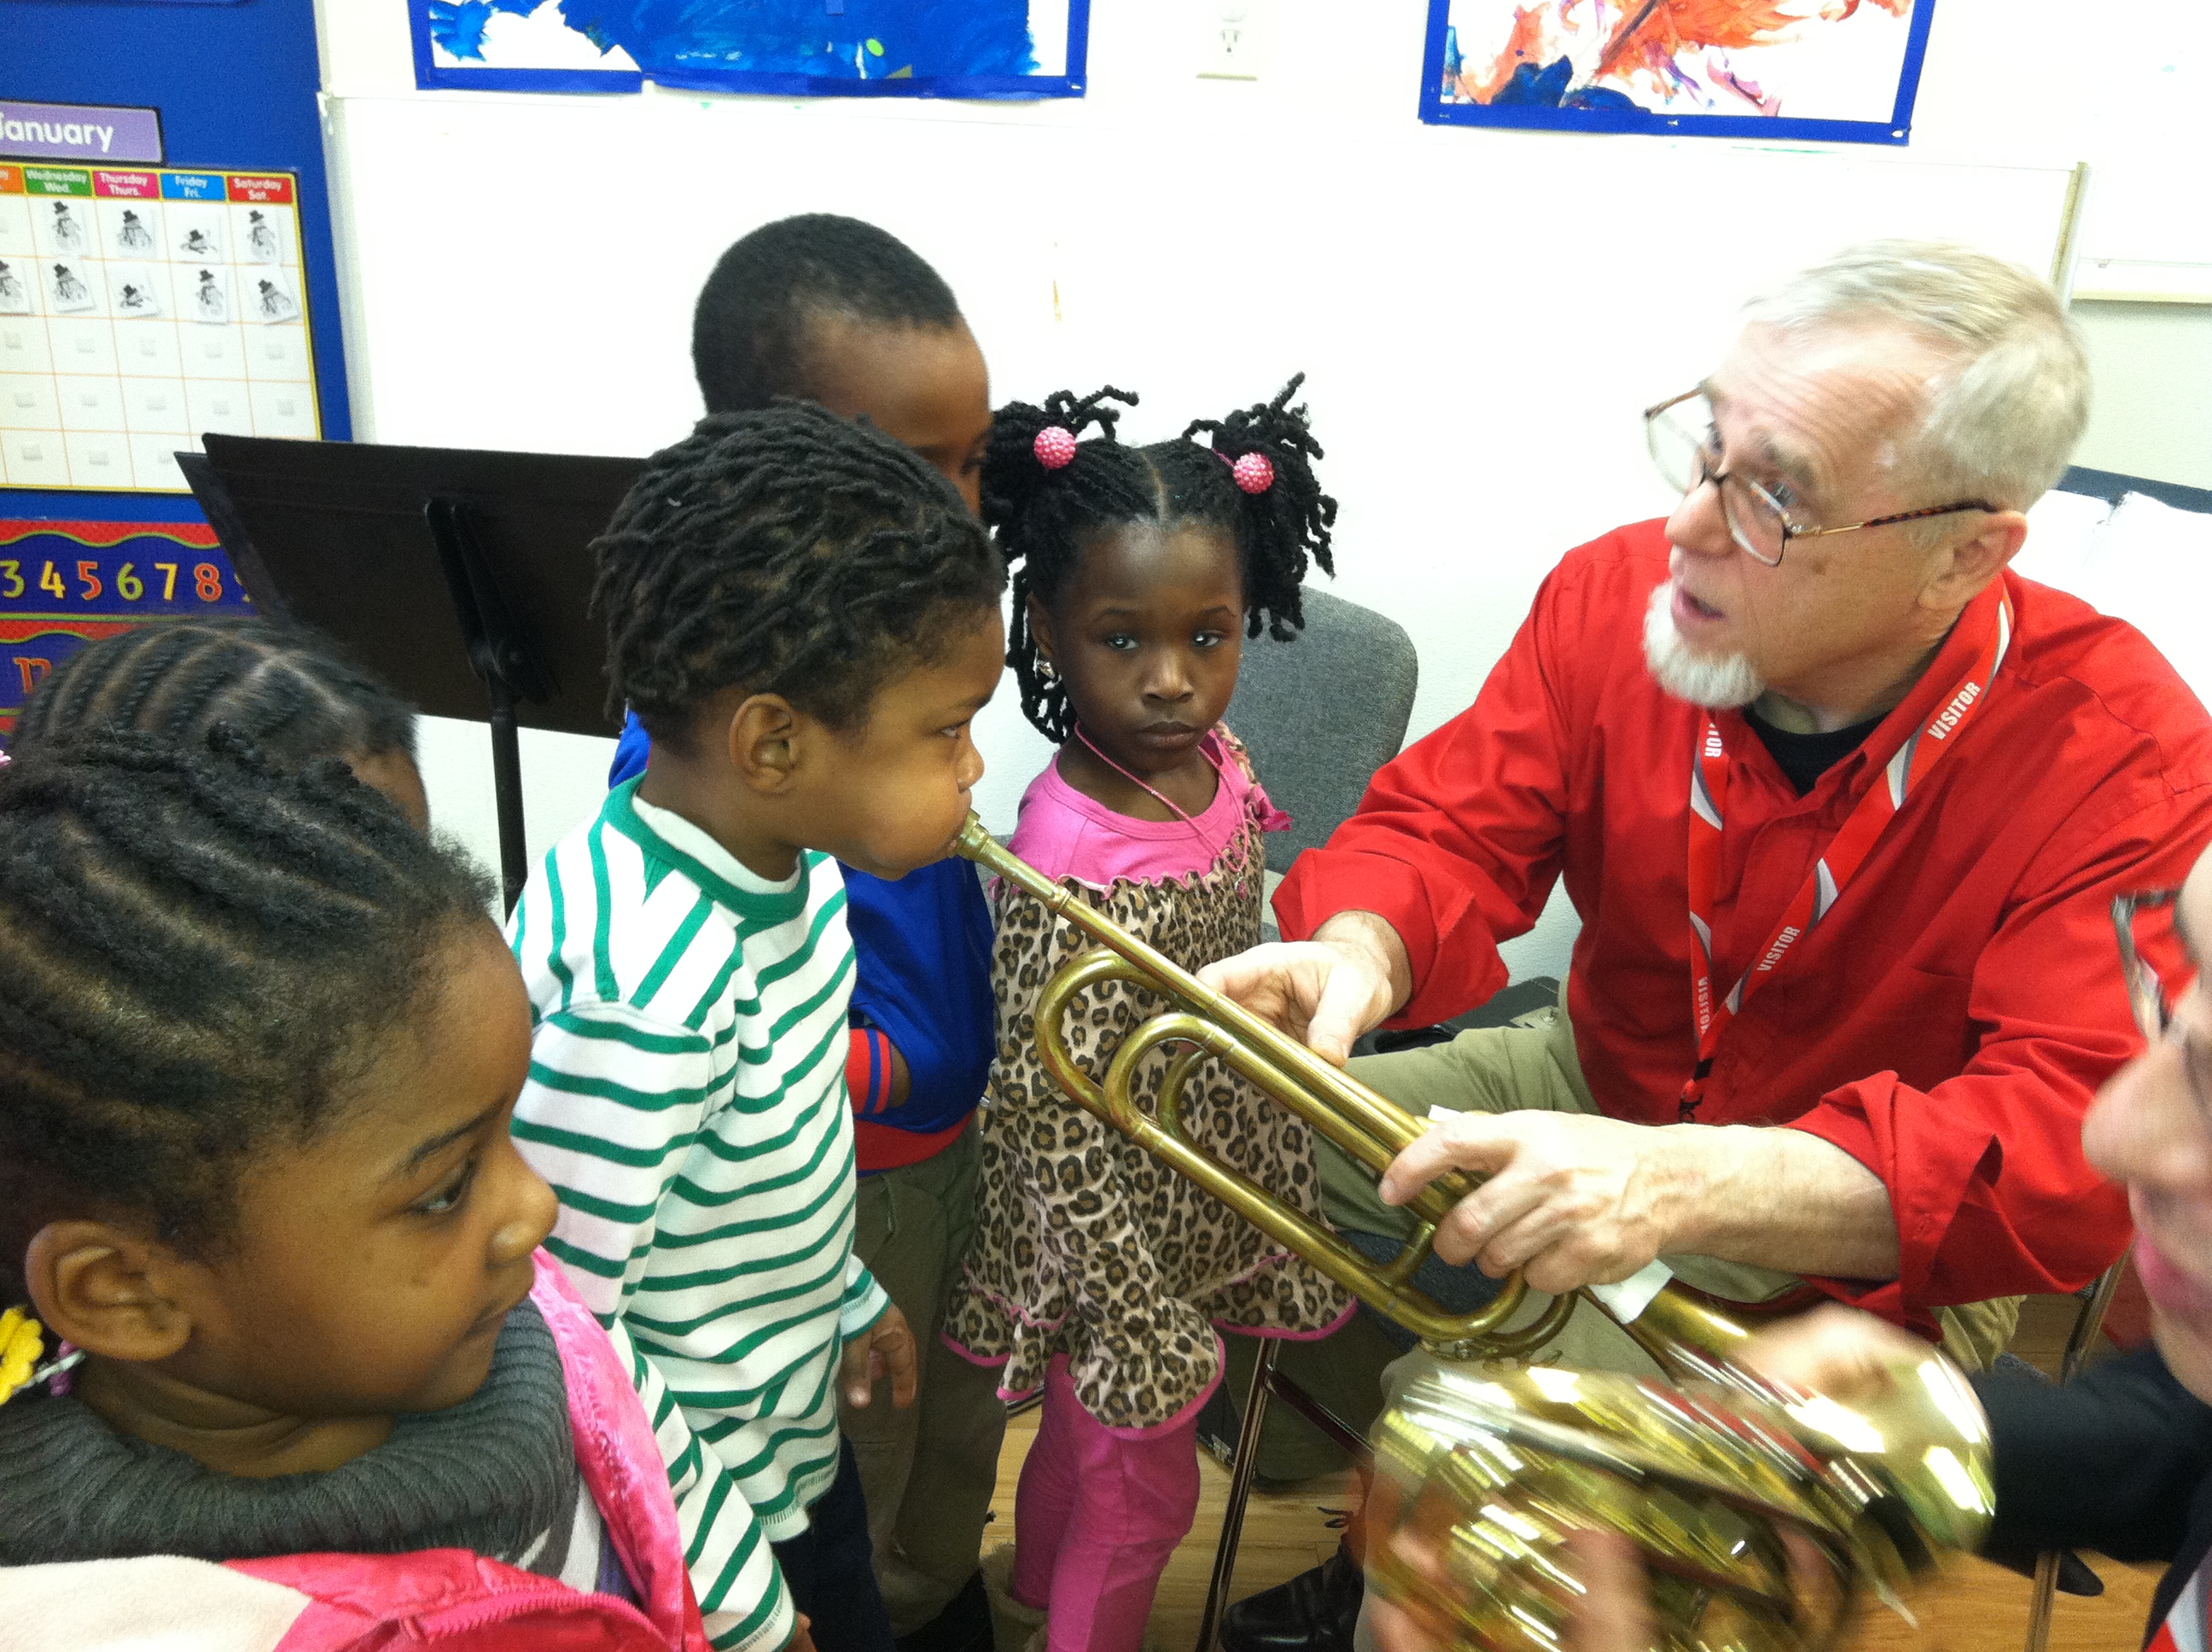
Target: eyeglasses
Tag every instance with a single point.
(2160, 972)
(1686, 448)
(2153, 960)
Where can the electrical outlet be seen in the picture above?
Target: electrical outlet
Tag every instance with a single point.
(1229, 40)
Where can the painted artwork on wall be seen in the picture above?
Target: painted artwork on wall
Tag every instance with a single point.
(803, 48)
(1837, 70)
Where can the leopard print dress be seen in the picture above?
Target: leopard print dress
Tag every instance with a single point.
(1085, 1245)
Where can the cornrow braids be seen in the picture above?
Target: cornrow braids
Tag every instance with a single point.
(749, 332)
(286, 688)
(784, 551)
(1045, 518)
(203, 950)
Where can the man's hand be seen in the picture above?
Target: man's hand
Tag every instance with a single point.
(1573, 1198)
(1615, 1614)
(1578, 1200)
(1835, 1350)
(886, 1348)
(1327, 991)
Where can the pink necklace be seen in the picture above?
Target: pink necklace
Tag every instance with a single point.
(1175, 808)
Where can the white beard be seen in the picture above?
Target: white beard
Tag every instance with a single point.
(1718, 684)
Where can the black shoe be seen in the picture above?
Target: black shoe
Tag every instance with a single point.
(962, 1626)
(1314, 1612)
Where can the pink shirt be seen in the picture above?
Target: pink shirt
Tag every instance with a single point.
(1064, 834)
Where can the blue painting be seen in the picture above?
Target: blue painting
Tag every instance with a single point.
(1842, 70)
(817, 48)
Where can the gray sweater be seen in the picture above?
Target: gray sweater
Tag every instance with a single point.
(495, 1474)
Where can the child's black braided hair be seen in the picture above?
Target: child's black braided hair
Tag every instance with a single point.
(750, 331)
(286, 688)
(202, 950)
(1044, 516)
(785, 551)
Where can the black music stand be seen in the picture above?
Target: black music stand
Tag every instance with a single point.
(459, 578)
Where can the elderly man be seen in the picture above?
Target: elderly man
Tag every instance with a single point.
(1842, 804)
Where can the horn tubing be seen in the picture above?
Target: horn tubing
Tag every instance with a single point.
(1686, 1336)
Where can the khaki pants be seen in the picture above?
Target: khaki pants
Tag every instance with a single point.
(1530, 1065)
(928, 1473)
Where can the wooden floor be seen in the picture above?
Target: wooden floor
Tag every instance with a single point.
(1975, 1607)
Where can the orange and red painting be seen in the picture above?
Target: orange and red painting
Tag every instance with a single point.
(1733, 67)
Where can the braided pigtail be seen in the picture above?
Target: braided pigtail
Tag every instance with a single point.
(1045, 489)
(1283, 518)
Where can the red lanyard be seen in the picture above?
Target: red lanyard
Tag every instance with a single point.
(1845, 854)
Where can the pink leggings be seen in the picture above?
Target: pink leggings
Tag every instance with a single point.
(1096, 1515)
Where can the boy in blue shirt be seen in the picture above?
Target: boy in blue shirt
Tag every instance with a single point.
(834, 311)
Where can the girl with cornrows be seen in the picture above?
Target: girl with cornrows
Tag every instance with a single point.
(286, 689)
(1097, 1276)
(280, 1357)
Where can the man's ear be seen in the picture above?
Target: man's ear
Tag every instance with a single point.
(766, 737)
(1041, 633)
(1968, 564)
(108, 1290)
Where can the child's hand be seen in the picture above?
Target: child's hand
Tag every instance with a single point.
(887, 1350)
(802, 1638)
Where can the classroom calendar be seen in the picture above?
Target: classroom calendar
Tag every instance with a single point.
(139, 309)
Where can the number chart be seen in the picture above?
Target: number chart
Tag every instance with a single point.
(65, 584)
(140, 309)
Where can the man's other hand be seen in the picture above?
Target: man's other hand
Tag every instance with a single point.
(1327, 991)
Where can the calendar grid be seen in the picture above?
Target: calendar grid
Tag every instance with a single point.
(141, 308)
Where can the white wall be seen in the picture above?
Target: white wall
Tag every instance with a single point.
(2153, 414)
(1482, 312)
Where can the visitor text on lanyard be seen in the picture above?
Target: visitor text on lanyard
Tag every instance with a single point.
(1838, 864)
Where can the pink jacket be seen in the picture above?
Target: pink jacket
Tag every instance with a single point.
(447, 1599)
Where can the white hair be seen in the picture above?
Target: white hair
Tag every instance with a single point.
(1717, 684)
(2000, 421)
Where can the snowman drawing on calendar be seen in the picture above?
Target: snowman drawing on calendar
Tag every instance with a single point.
(136, 300)
(201, 243)
(70, 291)
(260, 238)
(133, 236)
(274, 303)
(14, 296)
(208, 302)
(68, 230)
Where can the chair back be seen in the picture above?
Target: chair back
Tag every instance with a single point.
(1322, 713)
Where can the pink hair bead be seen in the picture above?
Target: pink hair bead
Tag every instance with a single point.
(1255, 473)
(1055, 447)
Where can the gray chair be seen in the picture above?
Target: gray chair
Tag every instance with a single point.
(1322, 713)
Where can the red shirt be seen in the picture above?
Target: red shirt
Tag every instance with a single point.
(1946, 1023)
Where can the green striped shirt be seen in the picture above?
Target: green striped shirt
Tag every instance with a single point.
(687, 1101)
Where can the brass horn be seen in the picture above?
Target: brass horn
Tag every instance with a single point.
(1368, 1127)
(1489, 1469)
